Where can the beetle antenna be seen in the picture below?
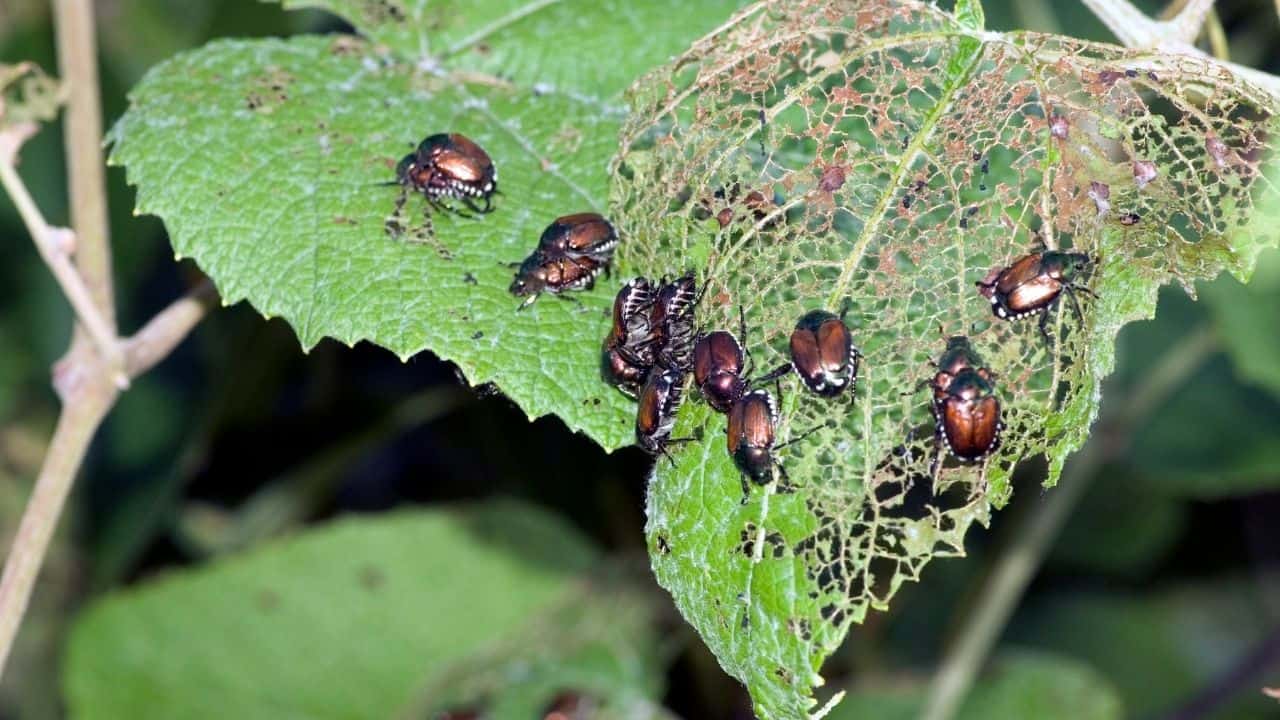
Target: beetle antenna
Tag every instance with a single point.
(742, 332)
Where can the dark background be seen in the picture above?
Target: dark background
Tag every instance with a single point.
(1180, 527)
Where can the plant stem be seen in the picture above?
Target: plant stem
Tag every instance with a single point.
(1036, 531)
(94, 370)
(76, 427)
(51, 243)
(163, 332)
(82, 137)
(1135, 30)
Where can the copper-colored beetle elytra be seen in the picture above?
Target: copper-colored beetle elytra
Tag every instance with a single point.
(1035, 283)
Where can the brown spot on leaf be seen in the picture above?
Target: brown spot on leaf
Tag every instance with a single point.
(1216, 149)
(1144, 171)
(1100, 193)
(1059, 127)
(832, 179)
(372, 578)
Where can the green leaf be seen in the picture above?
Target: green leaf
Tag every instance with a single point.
(356, 619)
(600, 649)
(1246, 322)
(264, 157)
(1021, 684)
(903, 155)
(1214, 438)
(1124, 528)
(593, 48)
(1161, 647)
(969, 14)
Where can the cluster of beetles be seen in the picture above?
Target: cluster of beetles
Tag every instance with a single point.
(654, 344)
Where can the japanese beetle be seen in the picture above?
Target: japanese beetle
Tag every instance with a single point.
(628, 351)
(965, 406)
(822, 353)
(752, 431)
(1034, 284)
(453, 165)
(672, 324)
(580, 235)
(718, 363)
(753, 422)
(450, 165)
(656, 415)
(541, 272)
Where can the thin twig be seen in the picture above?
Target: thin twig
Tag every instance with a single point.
(1032, 538)
(82, 137)
(87, 380)
(1129, 24)
(1135, 30)
(52, 243)
(163, 332)
(1226, 687)
(76, 427)
(1185, 27)
(1219, 46)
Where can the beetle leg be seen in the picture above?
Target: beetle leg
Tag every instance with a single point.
(1081, 288)
(528, 301)
(800, 437)
(746, 488)
(940, 446)
(981, 487)
(1075, 304)
(471, 205)
(774, 374)
(393, 227)
(906, 446)
(784, 483)
(919, 386)
(670, 459)
(1044, 329)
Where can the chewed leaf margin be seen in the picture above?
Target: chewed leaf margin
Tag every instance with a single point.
(268, 160)
(884, 153)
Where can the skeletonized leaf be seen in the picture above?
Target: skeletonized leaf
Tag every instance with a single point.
(884, 155)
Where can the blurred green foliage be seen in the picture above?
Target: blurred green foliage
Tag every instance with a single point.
(1158, 587)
